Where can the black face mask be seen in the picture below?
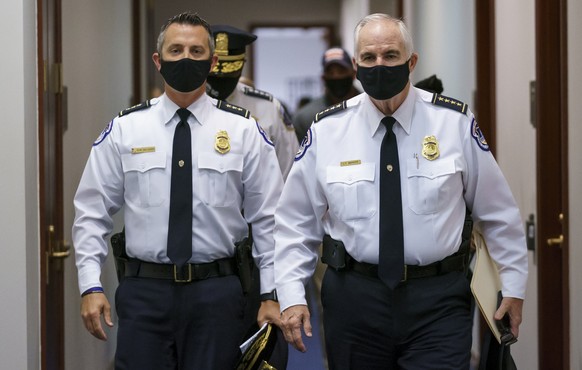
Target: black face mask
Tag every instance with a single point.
(220, 87)
(185, 75)
(339, 88)
(383, 82)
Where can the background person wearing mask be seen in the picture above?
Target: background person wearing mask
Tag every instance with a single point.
(184, 167)
(385, 180)
(224, 84)
(338, 76)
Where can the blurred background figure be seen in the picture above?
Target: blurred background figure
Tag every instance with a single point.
(432, 84)
(338, 76)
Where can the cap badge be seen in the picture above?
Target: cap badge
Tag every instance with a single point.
(221, 44)
(430, 148)
(222, 143)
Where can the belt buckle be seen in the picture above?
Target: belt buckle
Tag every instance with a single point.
(404, 274)
(189, 280)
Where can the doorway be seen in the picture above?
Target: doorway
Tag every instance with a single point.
(286, 61)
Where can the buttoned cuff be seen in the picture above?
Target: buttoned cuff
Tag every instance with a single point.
(291, 294)
(513, 284)
(89, 278)
(267, 280)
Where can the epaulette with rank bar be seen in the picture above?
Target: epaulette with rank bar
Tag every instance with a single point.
(331, 110)
(221, 104)
(258, 93)
(445, 101)
(136, 107)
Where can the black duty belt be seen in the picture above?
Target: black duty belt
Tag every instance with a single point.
(455, 262)
(188, 273)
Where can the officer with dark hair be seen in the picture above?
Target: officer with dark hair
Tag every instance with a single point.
(224, 84)
(184, 167)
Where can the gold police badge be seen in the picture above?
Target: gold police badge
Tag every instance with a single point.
(430, 148)
(222, 143)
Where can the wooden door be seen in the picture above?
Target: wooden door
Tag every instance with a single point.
(51, 121)
(552, 184)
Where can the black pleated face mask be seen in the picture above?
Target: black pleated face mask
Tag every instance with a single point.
(185, 75)
(383, 82)
(339, 87)
(220, 87)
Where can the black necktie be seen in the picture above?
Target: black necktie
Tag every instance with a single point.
(391, 260)
(180, 223)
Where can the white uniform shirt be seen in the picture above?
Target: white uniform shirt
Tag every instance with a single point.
(268, 111)
(334, 184)
(246, 177)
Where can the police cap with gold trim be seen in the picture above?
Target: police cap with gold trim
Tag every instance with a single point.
(230, 43)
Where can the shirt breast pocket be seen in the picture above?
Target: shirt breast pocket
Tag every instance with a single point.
(146, 181)
(220, 176)
(431, 186)
(352, 192)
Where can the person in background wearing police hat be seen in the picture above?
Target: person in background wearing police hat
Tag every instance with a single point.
(224, 84)
(385, 180)
(338, 76)
(184, 167)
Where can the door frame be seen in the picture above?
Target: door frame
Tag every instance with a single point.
(552, 196)
(51, 119)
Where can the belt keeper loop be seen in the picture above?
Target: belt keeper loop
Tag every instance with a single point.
(405, 274)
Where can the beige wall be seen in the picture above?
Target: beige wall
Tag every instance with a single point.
(515, 67)
(19, 265)
(97, 72)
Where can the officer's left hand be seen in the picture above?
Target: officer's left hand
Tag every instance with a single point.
(93, 306)
(513, 307)
(269, 312)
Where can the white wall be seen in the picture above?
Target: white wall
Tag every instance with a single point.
(575, 173)
(97, 73)
(444, 37)
(19, 265)
(515, 66)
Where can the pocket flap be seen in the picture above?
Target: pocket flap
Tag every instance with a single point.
(220, 162)
(430, 170)
(143, 162)
(351, 174)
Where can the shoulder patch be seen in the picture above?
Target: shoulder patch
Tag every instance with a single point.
(330, 110)
(477, 134)
(445, 101)
(264, 135)
(104, 133)
(305, 144)
(257, 93)
(286, 118)
(223, 105)
(140, 106)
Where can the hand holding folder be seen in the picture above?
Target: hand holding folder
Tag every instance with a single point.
(486, 288)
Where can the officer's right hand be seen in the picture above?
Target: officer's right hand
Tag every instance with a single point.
(92, 307)
(293, 319)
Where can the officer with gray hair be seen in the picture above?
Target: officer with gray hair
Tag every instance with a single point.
(386, 179)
